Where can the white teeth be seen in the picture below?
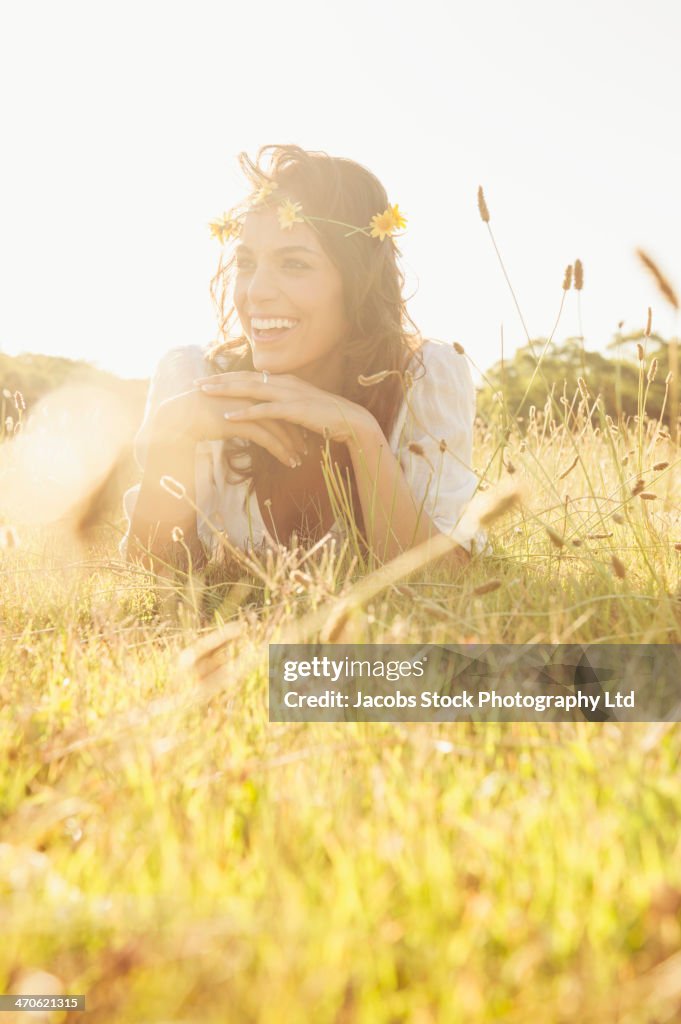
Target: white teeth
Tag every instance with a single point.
(271, 323)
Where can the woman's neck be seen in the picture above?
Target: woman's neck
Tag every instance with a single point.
(326, 372)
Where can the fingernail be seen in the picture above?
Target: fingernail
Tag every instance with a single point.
(293, 463)
(305, 451)
(208, 387)
(227, 415)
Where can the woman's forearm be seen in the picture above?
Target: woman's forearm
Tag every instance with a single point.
(393, 520)
(158, 512)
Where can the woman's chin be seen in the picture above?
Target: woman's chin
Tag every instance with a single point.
(270, 351)
(275, 362)
(324, 368)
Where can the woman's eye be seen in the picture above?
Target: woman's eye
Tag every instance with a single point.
(296, 265)
(244, 264)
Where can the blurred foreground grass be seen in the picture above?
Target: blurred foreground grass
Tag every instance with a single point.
(168, 852)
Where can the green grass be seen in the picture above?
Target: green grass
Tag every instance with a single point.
(174, 856)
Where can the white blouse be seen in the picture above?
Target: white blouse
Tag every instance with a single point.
(440, 407)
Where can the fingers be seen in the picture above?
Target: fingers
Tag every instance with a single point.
(289, 435)
(274, 440)
(235, 383)
(302, 414)
(287, 411)
(297, 435)
(280, 417)
(246, 376)
(251, 384)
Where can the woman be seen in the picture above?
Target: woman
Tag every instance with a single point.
(329, 413)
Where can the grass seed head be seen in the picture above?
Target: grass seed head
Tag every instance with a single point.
(458, 348)
(487, 588)
(337, 624)
(567, 279)
(173, 486)
(570, 468)
(649, 323)
(482, 206)
(652, 371)
(579, 276)
(555, 538)
(658, 466)
(641, 353)
(618, 567)
(374, 378)
(9, 538)
(661, 281)
(647, 496)
(503, 504)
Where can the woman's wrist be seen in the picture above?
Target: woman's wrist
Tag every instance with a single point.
(169, 431)
(365, 430)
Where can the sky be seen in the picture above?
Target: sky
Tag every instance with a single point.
(121, 123)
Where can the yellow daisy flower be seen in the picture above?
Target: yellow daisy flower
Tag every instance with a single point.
(289, 214)
(225, 228)
(399, 218)
(264, 192)
(386, 223)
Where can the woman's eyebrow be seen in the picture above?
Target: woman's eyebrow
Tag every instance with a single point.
(282, 249)
(298, 248)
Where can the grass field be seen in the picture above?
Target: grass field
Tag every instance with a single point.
(172, 855)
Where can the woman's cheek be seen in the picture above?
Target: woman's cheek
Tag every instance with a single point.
(239, 295)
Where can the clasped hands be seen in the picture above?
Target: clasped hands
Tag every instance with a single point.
(276, 414)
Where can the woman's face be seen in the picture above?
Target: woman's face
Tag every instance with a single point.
(289, 297)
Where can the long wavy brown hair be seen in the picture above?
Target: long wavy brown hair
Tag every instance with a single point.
(382, 335)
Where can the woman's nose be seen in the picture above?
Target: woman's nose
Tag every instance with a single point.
(262, 285)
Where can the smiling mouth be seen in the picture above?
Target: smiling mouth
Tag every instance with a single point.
(271, 328)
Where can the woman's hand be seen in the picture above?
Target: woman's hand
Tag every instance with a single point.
(194, 416)
(286, 398)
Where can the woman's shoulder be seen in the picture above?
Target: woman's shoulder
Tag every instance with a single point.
(445, 368)
(182, 363)
(179, 367)
(438, 352)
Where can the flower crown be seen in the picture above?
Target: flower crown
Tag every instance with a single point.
(382, 225)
